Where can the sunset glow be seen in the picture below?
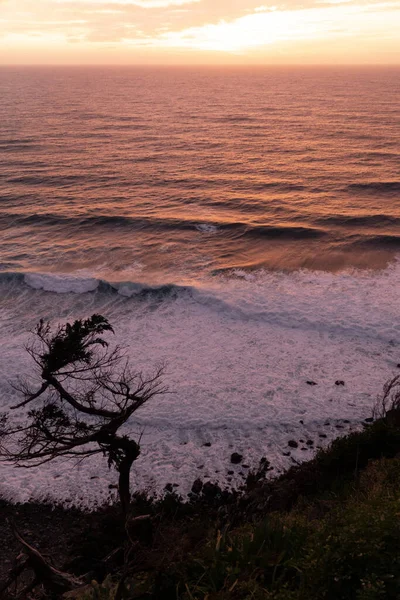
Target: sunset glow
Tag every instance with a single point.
(198, 31)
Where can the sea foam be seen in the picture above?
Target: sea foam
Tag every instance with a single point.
(238, 353)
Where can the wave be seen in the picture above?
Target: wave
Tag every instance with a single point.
(68, 283)
(301, 301)
(286, 232)
(377, 220)
(381, 241)
(383, 187)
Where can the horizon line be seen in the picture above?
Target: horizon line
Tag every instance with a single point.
(194, 65)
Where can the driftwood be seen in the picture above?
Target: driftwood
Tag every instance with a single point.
(53, 580)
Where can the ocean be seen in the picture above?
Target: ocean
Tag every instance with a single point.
(239, 225)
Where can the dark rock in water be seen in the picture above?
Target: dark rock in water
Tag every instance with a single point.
(246, 466)
(322, 435)
(398, 366)
(236, 458)
(207, 444)
(293, 444)
(311, 383)
(231, 472)
(175, 485)
(301, 422)
(326, 424)
(369, 420)
(197, 486)
(200, 467)
(304, 448)
(168, 487)
(211, 490)
(346, 421)
(286, 453)
(339, 426)
(339, 382)
(310, 443)
(301, 441)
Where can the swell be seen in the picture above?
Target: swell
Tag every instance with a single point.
(381, 241)
(161, 224)
(373, 187)
(375, 220)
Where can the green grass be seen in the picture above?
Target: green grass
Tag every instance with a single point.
(342, 545)
(328, 529)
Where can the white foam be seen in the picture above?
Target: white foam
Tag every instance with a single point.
(239, 353)
(207, 228)
(61, 284)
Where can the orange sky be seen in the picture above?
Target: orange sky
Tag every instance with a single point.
(199, 32)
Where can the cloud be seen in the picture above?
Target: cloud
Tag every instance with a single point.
(140, 3)
(202, 26)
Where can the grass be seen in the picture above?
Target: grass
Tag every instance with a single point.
(326, 530)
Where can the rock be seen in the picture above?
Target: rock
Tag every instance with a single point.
(398, 366)
(311, 382)
(339, 426)
(339, 382)
(231, 472)
(207, 444)
(346, 421)
(197, 486)
(286, 453)
(246, 466)
(211, 490)
(168, 487)
(236, 458)
(310, 443)
(369, 420)
(200, 467)
(301, 441)
(293, 444)
(301, 422)
(304, 448)
(322, 435)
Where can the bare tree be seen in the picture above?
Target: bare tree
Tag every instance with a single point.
(85, 394)
(388, 404)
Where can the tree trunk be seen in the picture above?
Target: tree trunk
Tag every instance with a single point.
(131, 451)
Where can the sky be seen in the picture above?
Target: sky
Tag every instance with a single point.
(199, 32)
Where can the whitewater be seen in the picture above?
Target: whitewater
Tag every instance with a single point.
(238, 350)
